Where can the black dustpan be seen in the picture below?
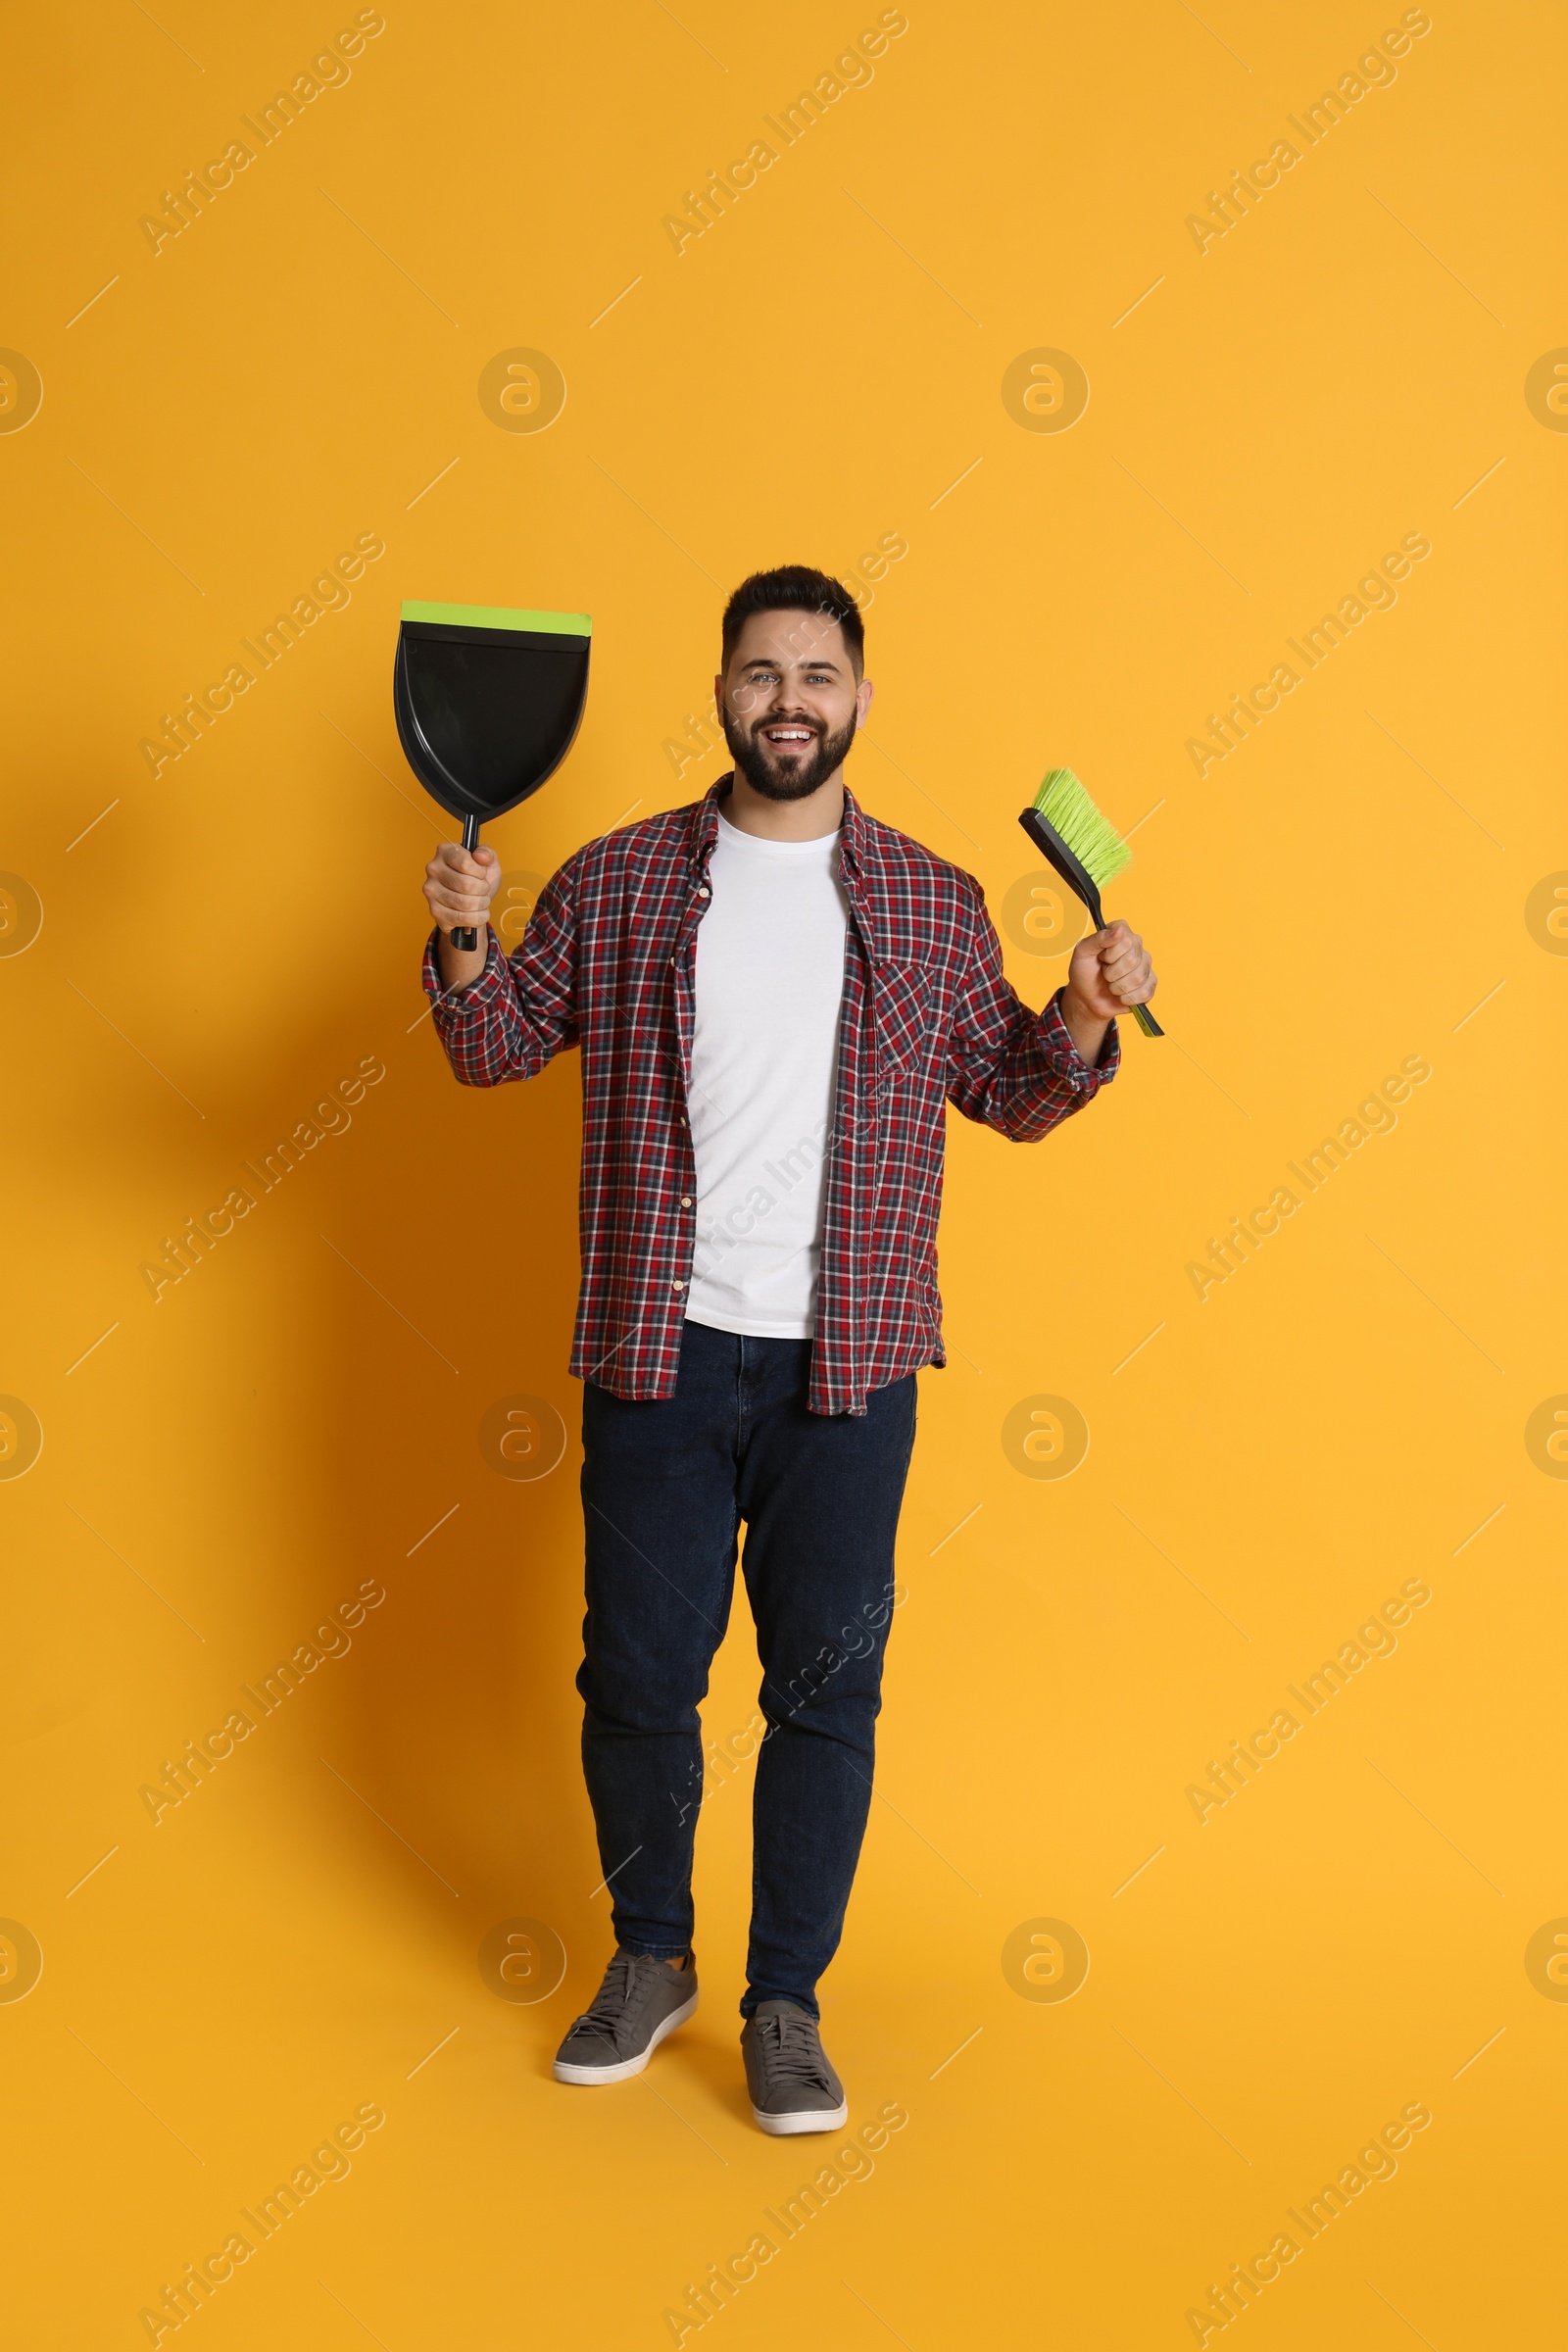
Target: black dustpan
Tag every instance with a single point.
(487, 703)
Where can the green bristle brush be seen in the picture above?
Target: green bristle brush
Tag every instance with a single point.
(1084, 847)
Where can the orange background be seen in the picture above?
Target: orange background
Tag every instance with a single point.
(226, 941)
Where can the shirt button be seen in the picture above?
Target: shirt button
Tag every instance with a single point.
(685, 1199)
(677, 1286)
(703, 893)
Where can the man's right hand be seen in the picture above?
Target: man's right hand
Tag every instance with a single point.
(458, 886)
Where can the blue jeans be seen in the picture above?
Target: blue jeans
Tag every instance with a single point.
(666, 1487)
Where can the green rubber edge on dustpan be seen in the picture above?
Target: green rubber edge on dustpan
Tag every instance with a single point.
(495, 617)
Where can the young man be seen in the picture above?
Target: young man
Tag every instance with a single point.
(775, 995)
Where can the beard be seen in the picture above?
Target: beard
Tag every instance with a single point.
(793, 774)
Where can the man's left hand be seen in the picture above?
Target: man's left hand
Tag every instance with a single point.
(1110, 971)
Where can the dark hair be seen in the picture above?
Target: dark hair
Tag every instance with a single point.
(795, 588)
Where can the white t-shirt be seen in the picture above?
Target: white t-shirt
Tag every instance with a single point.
(770, 977)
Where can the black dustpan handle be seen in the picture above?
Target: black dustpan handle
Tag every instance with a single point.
(466, 939)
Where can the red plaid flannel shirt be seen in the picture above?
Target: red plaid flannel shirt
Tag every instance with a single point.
(927, 1018)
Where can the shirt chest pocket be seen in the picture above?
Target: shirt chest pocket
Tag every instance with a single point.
(903, 1002)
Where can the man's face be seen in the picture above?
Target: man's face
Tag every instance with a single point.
(791, 702)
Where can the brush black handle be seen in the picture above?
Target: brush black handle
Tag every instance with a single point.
(1051, 845)
(466, 938)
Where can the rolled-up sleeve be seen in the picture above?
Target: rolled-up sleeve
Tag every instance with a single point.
(1009, 1069)
(521, 1011)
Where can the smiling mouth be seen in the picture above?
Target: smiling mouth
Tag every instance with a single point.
(789, 738)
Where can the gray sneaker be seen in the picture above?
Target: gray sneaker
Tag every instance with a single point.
(793, 2086)
(639, 2002)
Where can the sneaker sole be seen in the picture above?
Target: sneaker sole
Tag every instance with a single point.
(809, 2119)
(564, 2072)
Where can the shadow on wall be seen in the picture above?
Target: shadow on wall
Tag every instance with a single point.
(460, 1226)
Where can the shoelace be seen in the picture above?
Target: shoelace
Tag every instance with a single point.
(792, 2053)
(622, 1990)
